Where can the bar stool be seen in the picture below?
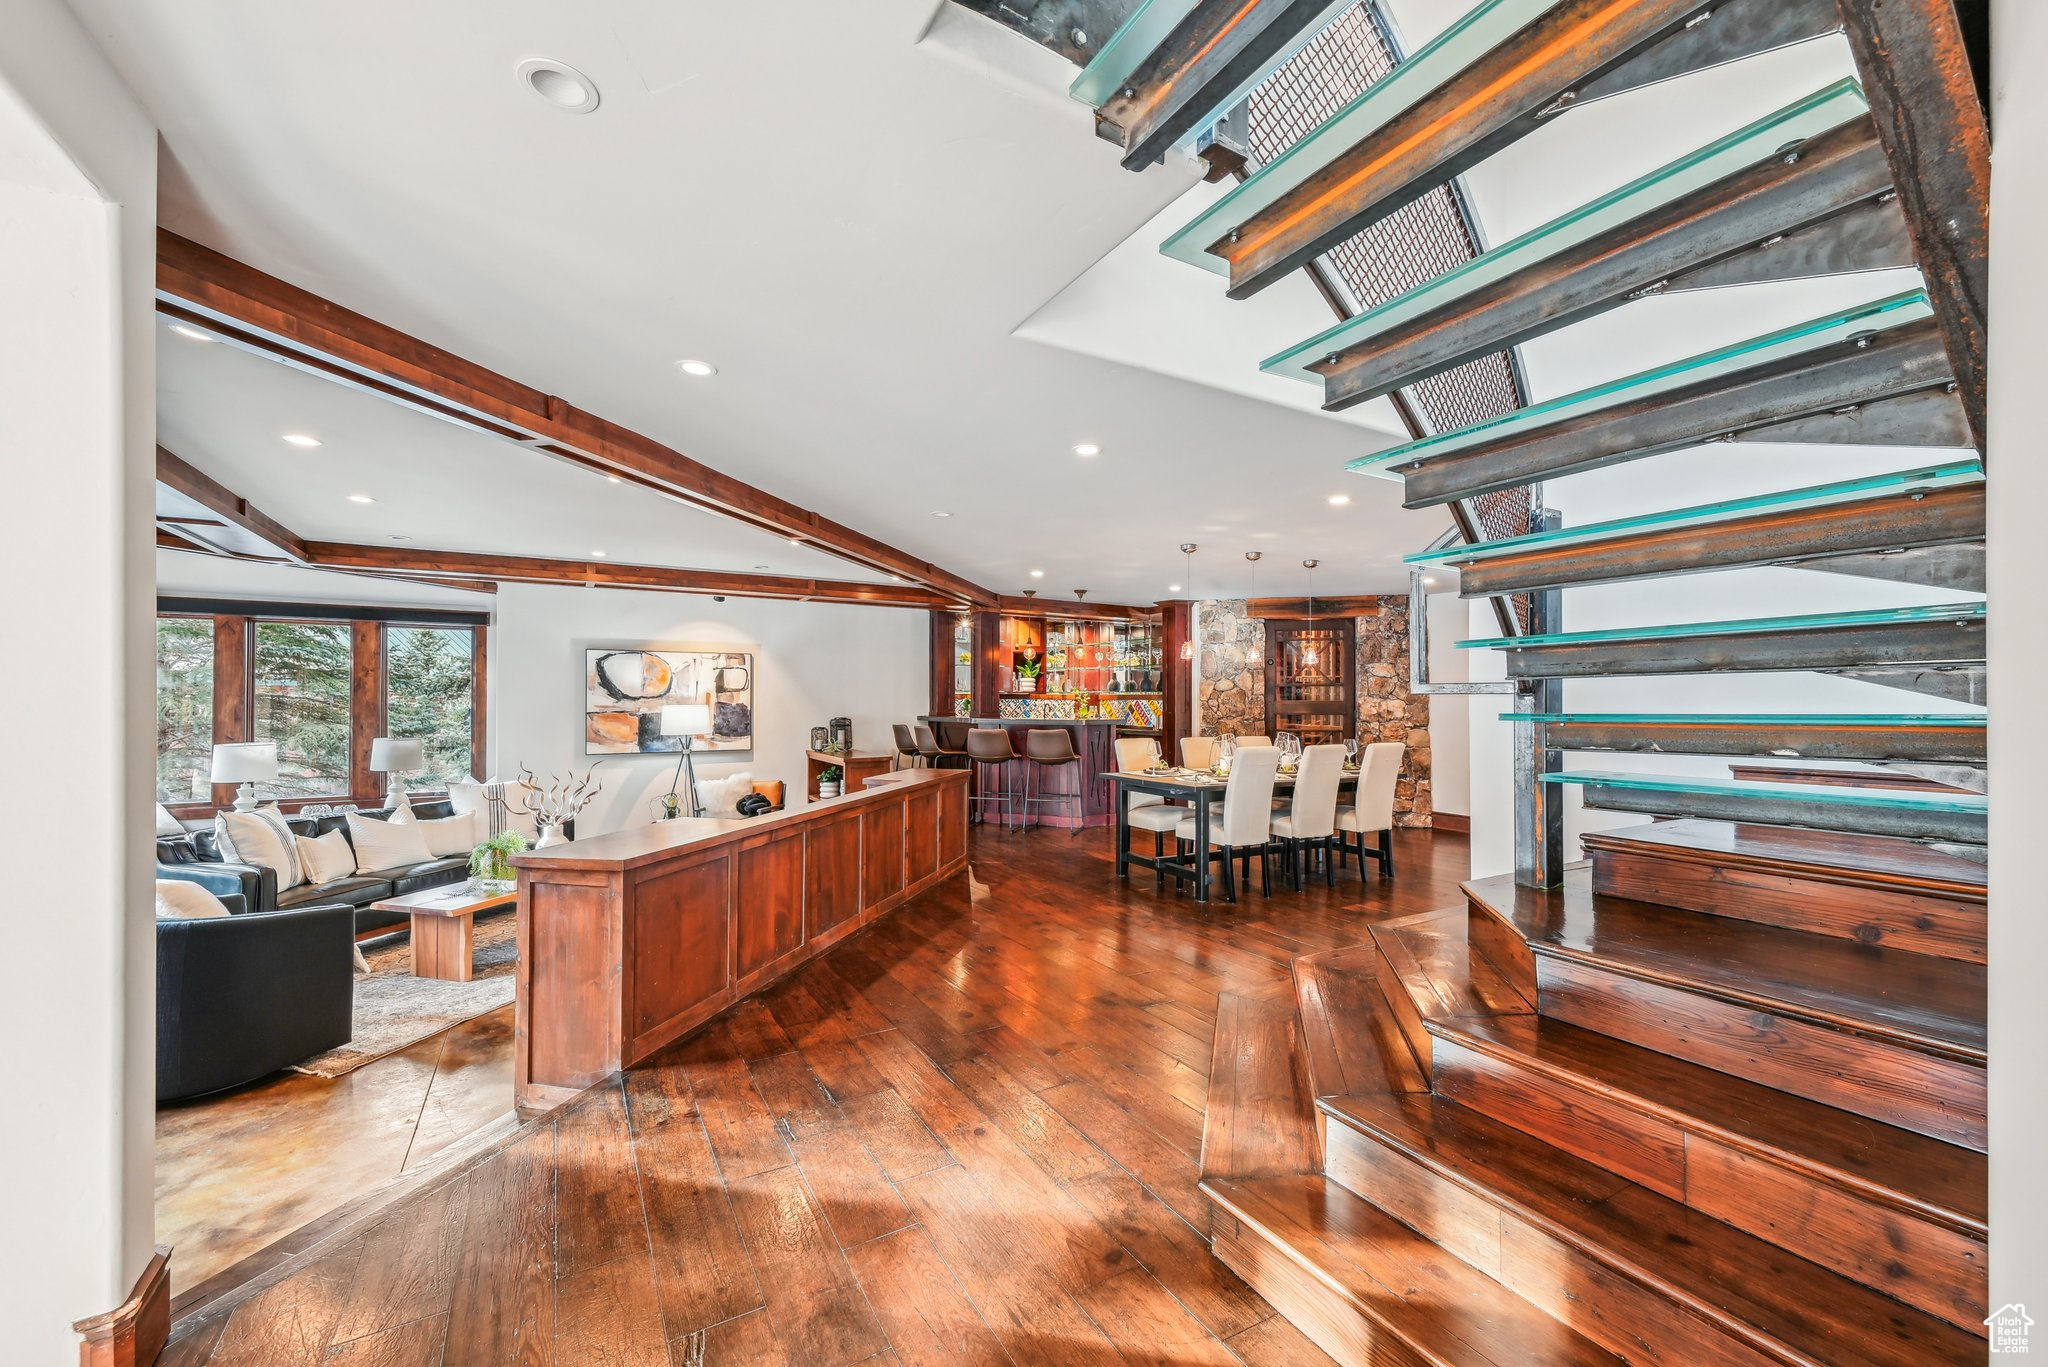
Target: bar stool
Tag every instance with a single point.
(989, 747)
(906, 747)
(1047, 749)
(933, 753)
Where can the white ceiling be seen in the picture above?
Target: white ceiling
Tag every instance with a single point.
(849, 208)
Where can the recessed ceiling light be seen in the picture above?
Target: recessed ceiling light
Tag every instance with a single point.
(614, 479)
(1087, 448)
(698, 368)
(187, 330)
(301, 439)
(936, 513)
(1038, 574)
(796, 541)
(1173, 588)
(1339, 500)
(597, 555)
(361, 498)
(895, 578)
(560, 85)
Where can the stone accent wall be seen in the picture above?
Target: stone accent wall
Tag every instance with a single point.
(1231, 693)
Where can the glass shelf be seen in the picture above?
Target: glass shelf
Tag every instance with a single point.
(1931, 612)
(1892, 311)
(1127, 49)
(1787, 719)
(1818, 794)
(1456, 48)
(1829, 107)
(1704, 514)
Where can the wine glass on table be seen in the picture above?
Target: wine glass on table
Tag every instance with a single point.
(1351, 752)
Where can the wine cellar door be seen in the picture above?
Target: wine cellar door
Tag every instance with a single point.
(1311, 679)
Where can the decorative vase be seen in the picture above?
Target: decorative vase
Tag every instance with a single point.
(828, 789)
(550, 834)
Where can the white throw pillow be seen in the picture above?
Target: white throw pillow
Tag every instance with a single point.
(402, 814)
(380, 845)
(326, 858)
(166, 824)
(721, 796)
(262, 838)
(450, 836)
(178, 900)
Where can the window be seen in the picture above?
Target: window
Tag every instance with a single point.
(184, 709)
(302, 672)
(428, 673)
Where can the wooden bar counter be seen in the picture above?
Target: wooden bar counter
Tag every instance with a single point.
(628, 941)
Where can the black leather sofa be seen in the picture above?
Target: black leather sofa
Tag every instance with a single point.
(243, 995)
(194, 858)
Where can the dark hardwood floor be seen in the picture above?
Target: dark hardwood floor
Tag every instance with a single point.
(971, 1133)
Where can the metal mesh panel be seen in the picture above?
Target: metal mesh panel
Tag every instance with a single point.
(1413, 245)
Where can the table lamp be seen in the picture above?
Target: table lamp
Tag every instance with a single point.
(397, 756)
(248, 763)
(688, 720)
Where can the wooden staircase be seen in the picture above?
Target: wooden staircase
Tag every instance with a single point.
(1715, 1097)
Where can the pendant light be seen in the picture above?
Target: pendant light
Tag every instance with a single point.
(1252, 657)
(1310, 656)
(1187, 548)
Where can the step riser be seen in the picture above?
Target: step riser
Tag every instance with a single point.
(1392, 969)
(1615, 1311)
(1927, 1265)
(1941, 1098)
(1310, 1305)
(1948, 928)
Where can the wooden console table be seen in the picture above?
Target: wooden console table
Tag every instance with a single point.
(859, 768)
(628, 941)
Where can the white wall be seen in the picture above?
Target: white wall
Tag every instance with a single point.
(812, 662)
(77, 385)
(1450, 743)
(2019, 655)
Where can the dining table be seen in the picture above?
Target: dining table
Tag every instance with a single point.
(1200, 789)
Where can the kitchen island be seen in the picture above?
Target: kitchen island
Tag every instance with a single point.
(1094, 741)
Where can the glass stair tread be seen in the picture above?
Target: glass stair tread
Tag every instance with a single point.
(1472, 37)
(1827, 108)
(1960, 719)
(1897, 799)
(1931, 612)
(1127, 48)
(1893, 311)
(1927, 477)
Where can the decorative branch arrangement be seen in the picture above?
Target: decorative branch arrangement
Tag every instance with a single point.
(561, 799)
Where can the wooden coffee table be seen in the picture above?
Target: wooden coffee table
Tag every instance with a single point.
(444, 928)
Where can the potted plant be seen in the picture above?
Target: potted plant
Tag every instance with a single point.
(829, 780)
(1027, 675)
(490, 864)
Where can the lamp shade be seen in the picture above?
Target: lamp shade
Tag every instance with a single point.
(397, 755)
(686, 719)
(250, 762)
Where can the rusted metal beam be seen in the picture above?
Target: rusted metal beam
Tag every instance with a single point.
(1075, 29)
(1958, 640)
(1211, 54)
(1742, 215)
(1897, 520)
(1837, 382)
(1768, 809)
(1776, 737)
(1915, 67)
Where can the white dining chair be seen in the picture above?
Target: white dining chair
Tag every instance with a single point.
(1372, 807)
(1199, 752)
(1147, 811)
(1254, 740)
(1241, 831)
(1310, 817)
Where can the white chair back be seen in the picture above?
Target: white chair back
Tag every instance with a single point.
(1378, 771)
(1254, 740)
(1134, 755)
(1198, 752)
(1314, 809)
(1248, 798)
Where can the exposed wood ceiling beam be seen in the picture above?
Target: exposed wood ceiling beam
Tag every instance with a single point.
(1915, 67)
(1018, 606)
(1299, 608)
(260, 313)
(607, 574)
(243, 530)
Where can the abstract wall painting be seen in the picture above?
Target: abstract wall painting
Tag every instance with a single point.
(625, 688)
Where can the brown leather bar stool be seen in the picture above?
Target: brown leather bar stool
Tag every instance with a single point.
(988, 748)
(936, 755)
(1047, 749)
(906, 747)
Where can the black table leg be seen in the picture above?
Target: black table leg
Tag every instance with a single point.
(1201, 844)
(1123, 829)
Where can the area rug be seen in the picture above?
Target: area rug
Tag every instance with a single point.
(394, 1010)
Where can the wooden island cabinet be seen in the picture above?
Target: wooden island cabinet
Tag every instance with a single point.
(630, 940)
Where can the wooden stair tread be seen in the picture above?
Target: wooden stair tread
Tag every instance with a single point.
(1444, 1310)
(1935, 1006)
(1925, 1176)
(1439, 970)
(1792, 1309)
(1347, 1044)
(1259, 1119)
(1880, 861)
